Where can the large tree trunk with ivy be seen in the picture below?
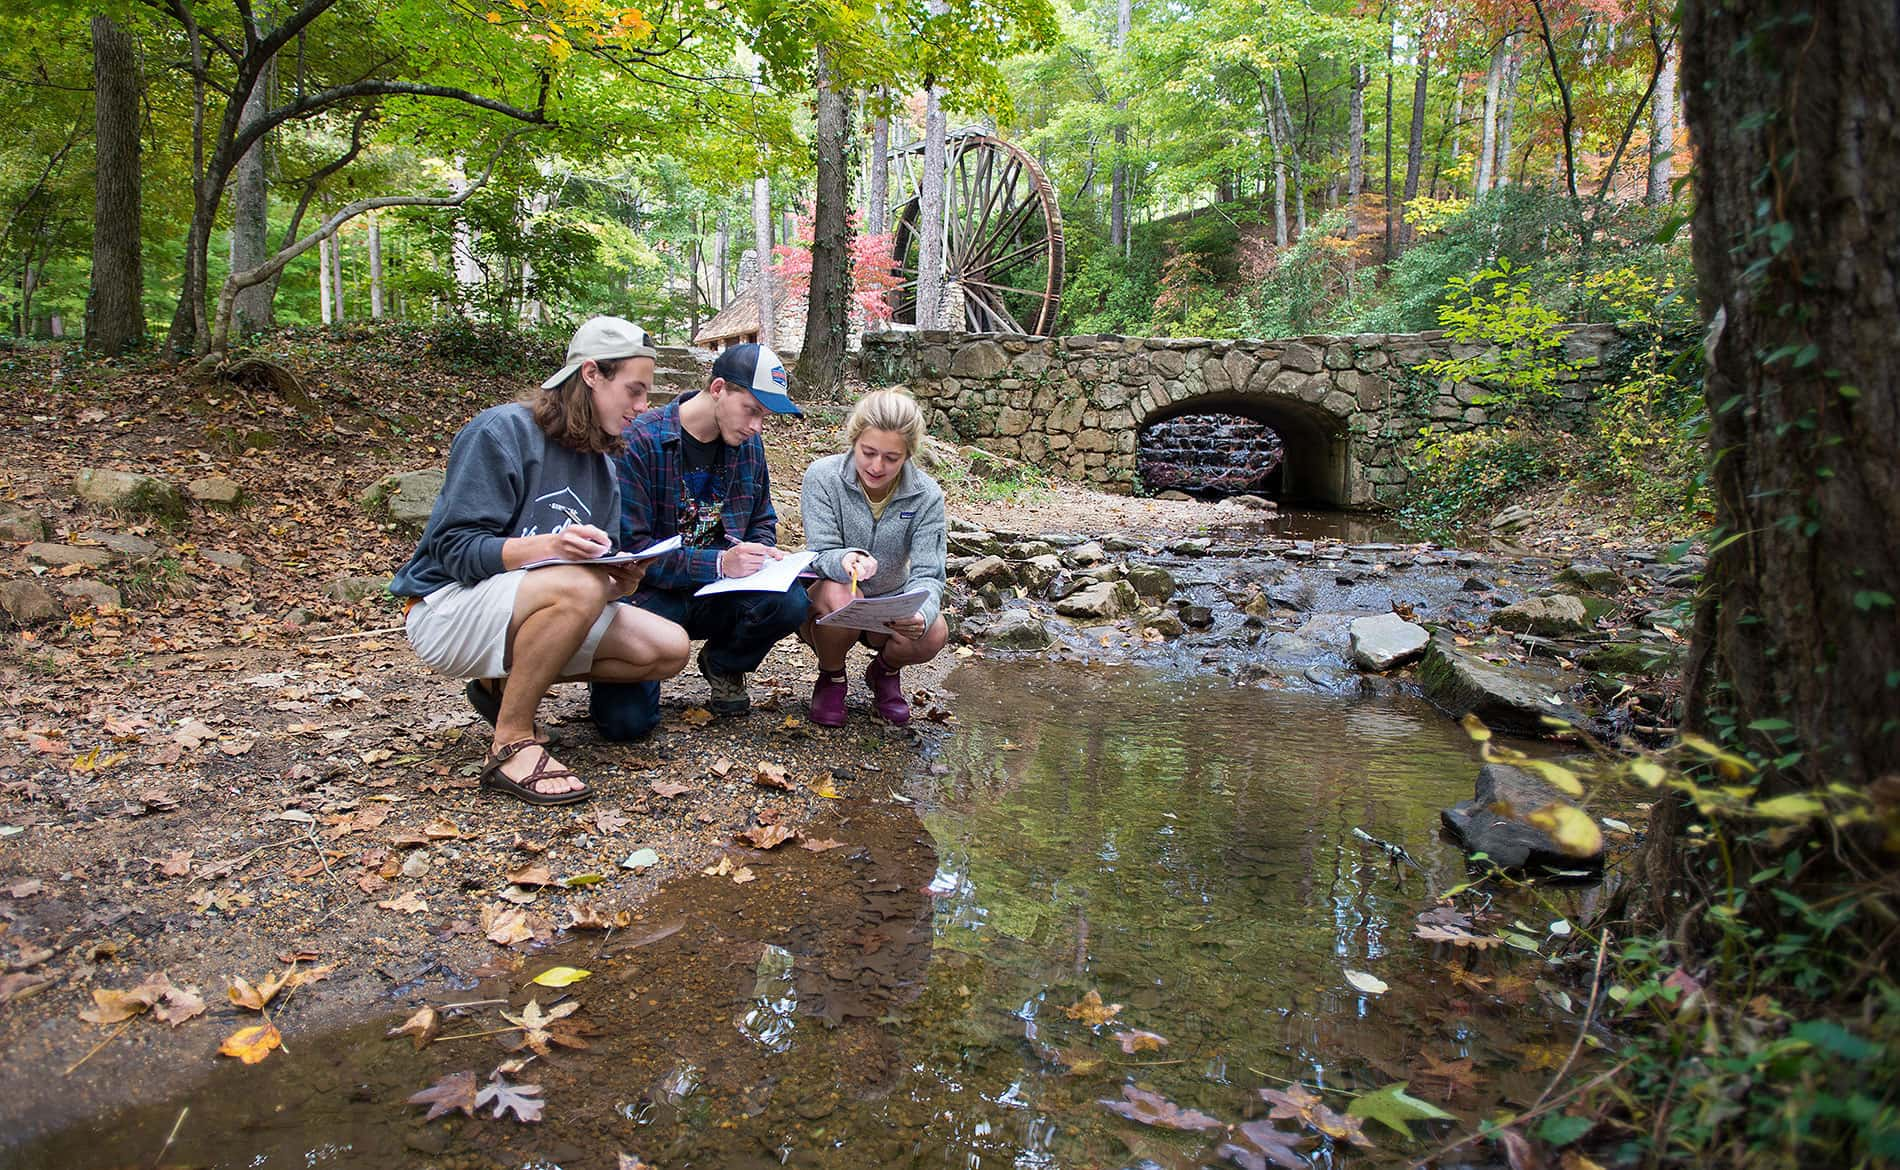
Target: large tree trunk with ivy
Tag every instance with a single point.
(821, 358)
(1795, 118)
(115, 316)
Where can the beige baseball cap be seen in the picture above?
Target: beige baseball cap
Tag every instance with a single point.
(602, 339)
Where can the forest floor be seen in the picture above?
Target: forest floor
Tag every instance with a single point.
(239, 774)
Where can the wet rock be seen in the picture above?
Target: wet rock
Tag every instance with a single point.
(405, 497)
(68, 554)
(1630, 658)
(1386, 640)
(1477, 585)
(1547, 617)
(1017, 629)
(1198, 616)
(1023, 550)
(973, 544)
(1035, 573)
(1249, 500)
(215, 491)
(1151, 582)
(28, 603)
(354, 589)
(96, 594)
(1162, 622)
(21, 524)
(1171, 494)
(1492, 822)
(1120, 544)
(989, 597)
(1084, 555)
(1102, 600)
(1258, 606)
(990, 571)
(1192, 547)
(1515, 518)
(1513, 699)
(1592, 576)
(125, 491)
(1295, 594)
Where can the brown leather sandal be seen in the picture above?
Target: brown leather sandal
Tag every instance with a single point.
(523, 789)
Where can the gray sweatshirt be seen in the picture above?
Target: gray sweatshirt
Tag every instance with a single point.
(504, 477)
(908, 540)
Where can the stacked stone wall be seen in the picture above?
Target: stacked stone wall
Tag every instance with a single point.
(1221, 453)
(1075, 405)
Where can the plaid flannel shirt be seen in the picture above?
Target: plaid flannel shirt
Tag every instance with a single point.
(650, 476)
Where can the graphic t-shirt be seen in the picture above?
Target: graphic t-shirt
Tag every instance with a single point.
(702, 491)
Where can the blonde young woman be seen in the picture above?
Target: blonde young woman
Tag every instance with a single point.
(876, 521)
(531, 481)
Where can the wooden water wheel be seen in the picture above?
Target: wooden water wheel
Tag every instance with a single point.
(1002, 238)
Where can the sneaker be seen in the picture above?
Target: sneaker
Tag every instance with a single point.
(887, 692)
(827, 699)
(729, 695)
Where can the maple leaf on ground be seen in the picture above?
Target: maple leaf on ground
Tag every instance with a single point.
(1392, 1107)
(822, 785)
(1457, 1076)
(770, 775)
(768, 836)
(669, 788)
(506, 925)
(1153, 1109)
(1255, 1145)
(409, 903)
(1140, 1041)
(537, 1026)
(530, 875)
(178, 1005)
(522, 1100)
(820, 846)
(421, 1027)
(588, 916)
(455, 1091)
(112, 1007)
(246, 995)
(1091, 1010)
(175, 864)
(610, 820)
(696, 716)
(1311, 1110)
(251, 1044)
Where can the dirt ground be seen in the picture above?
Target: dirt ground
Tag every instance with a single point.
(244, 770)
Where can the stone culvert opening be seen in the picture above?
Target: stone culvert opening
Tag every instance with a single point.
(1280, 448)
(1211, 456)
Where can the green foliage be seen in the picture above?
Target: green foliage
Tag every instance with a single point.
(463, 344)
(1106, 292)
(1306, 284)
(1457, 478)
(1523, 360)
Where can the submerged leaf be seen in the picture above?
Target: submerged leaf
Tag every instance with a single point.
(1140, 1041)
(560, 976)
(1393, 1107)
(1370, 984)
(421, 1027)
(251, 1044)
(1091, 1010)
(522, 1100)
(455, 1091)
(1153, 1109)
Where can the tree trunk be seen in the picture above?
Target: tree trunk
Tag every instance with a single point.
(250, 218)
(930, 223)
(1391, 209)
(1356, 148)
(375, 268)
(879, 200)
(1293, 151)
(1662, 132)
(1118, 178)
(827, 315)
(1488, 131)
(323, 279)
(1272, 119)
(1415, 145)
(1802, 386)
(115, 316)
(722, 247)
(336, 274)
(762, 240)
(1457, 128)
(1507, 105)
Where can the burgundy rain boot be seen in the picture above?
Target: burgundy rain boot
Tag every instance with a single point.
(888, 692)
(827, 698)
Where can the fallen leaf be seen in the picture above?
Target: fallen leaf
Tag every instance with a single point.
(1152, 1109)
(610, 820)
(441, 829)
(629, 1162)
(742, 875)
(696, 716)
(1254, 1145)
(1457, 1076)
(1091, 1010)
(25, 889)
(1140, 1041)
(506, 926)
(245, 995)
(768, 836)
(178, 1005)
(1369, 984)
(530, 875)
(421, 1027)
(770, 775)
(576, 881)
(177, 864)
(1392, 1107)
(540, 1028)
(640, 859)
(522, 1100)
(1297, 1102)
(820, 846)
(588, 916)
(560, 976)
(822, 785)
(251, 1044)
(455, 1091)
(721, 767)
(111, 1007)
(1457, 937)
(408, 903)
(669, 788)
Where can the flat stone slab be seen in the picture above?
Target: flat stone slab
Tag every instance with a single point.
(1102, 600)
(1512, 699)
(28, 603)
(69, 554)
(1493, 822)
(1547, 617)
(1017, 629)
(1386, 640)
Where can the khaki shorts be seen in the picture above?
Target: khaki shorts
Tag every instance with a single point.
(462, 630)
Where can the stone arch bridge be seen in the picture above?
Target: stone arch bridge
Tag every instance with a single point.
(1345, 406)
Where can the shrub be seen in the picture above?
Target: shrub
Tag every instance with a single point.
(1456, 478)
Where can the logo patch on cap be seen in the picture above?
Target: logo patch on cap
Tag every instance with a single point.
(778, 376)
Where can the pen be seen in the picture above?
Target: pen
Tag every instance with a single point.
(854, 578)
(574, 516)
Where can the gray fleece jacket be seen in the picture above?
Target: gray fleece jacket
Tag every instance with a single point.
(908, 540)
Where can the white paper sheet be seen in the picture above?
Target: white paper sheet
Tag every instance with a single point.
(620, 558)
(876, 613)
(775, 577)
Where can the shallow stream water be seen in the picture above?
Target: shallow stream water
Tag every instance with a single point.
(1181, 848)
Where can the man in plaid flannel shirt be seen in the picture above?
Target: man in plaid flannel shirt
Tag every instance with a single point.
(696, 468)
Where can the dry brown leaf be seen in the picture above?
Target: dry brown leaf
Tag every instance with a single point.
(408, 903)
(420, 1027)
(1092, 1011)
(506, 925)
(530, 875)
(178, 1005)
(721, 767)
(770, 775)
(669, 788)
(1140, 1041)
(245, 995)
(176, 864)
(441, 829)
(768, 836)
(820, 846)
(823, 785)
(609, 820)
(696, 716)
(588, 916)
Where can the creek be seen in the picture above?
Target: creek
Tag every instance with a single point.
(1177, 845)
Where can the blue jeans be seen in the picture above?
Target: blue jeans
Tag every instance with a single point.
(738, 628)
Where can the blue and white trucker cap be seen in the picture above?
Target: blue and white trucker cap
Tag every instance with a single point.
(755, 368)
